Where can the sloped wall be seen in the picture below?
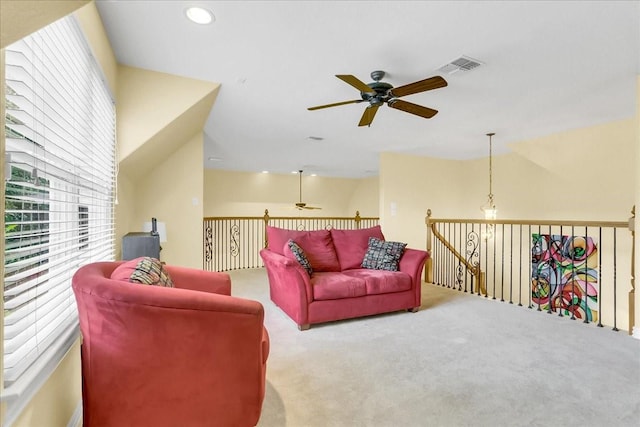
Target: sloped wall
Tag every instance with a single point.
(19, 18)
(160, 122)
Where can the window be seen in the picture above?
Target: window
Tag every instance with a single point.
(59, 193)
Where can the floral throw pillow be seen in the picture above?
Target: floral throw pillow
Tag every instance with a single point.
(383, 255)
(300, 256)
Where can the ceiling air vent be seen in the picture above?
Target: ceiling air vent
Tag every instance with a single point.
(464, 63)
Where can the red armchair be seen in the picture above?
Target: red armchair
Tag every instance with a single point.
(156, 356)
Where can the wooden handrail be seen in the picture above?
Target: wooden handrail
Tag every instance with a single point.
(612, 224)
(473, 268)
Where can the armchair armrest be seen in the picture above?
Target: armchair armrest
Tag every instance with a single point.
(199, 280)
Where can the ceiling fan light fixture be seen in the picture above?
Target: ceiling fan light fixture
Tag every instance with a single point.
(199, 15)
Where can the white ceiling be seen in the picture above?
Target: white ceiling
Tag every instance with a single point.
(549, 66)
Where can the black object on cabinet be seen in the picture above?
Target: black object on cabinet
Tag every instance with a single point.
(135, 245)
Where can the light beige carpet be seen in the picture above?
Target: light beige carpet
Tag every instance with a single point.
(461, 360)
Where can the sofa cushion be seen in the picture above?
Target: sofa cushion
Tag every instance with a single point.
(294, 251)
(381, 281)
(351, 245)
(382, 255)
(143, 270)
(317, 246)
(332, 285)
(277, 238)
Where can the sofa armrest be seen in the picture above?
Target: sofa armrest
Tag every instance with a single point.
(289, 285)
(288, 272)
(412, 263)
(199, 280)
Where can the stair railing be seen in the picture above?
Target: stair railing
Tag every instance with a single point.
(574, 269)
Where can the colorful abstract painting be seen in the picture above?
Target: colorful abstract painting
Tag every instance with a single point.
(564, 275)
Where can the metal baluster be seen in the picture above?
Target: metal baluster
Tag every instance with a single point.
(615, 284)
(555, 269)
(502, 269)
(486, 261)
(511, 265)
(586, 276)
(573, 276)
(537, 277)
(520, 271)
(478, 287)
(493, 271)
(600, 278)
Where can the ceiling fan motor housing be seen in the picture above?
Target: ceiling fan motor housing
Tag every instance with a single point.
(381, 94)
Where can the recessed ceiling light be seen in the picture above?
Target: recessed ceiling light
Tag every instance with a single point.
(215, 159)
(199, 15)
(265, 171)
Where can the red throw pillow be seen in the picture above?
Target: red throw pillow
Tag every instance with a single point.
(319, 249)
(352, 245)
(278, 237)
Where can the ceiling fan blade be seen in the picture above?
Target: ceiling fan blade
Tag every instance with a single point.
(368, 115)
(409, 107)
(417, 87)
(355, 101)
(355, 82)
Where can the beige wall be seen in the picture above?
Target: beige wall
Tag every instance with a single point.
(593, 179)
(173, 192)
(125, 210)
(230, 193)
(55, 402)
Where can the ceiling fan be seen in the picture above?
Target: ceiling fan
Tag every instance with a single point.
(379, 92)
(301, 205)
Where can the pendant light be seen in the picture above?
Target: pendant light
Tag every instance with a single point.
(489, 208)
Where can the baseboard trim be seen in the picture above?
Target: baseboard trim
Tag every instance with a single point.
(76, 417)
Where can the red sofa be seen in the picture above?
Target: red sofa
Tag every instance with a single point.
(338, 287)
(191, 355)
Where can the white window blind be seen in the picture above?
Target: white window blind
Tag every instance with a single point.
(59, 187)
